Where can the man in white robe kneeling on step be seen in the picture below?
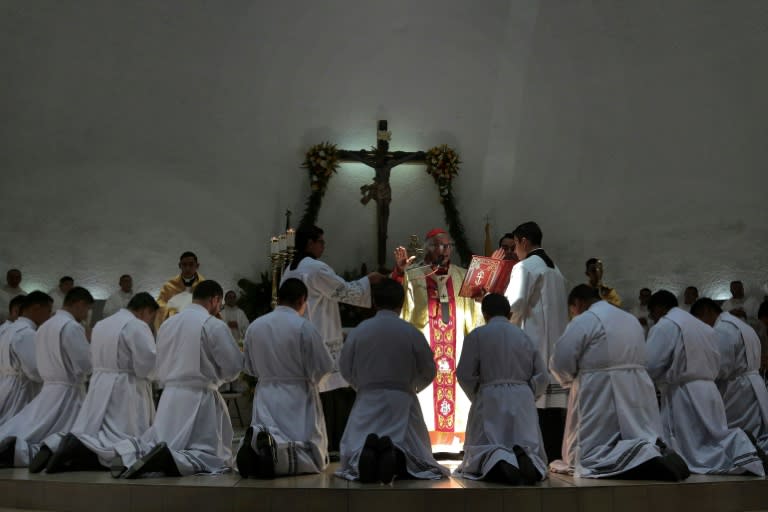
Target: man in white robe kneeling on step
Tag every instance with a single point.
(741, 386)
(387, 361)
(287, 355)
(502, 372)
(63, 361)
(613, 424)
(192, 432)
(119, 402)
(683, 361)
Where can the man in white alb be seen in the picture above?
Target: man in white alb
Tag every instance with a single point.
(387, 361)
(12, 284)
(502, 372)
(683, 360)
(59, 293)
(20, 381)
(192, 431)
(537, 296)
(743, 390)
(326, 291)
(640, 310)
(63, 361)
(119, 402)
(286, 353)
(613, 422)
(233, 316)
(120, 298)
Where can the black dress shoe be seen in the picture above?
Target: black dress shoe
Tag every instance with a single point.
(504, 473)
(246, 459)
(7, 449)
(158, 460)
(527, 469)
(266, 455)
(387, 460)
(368, 465)
(117, 468)
(73, 455)
(40, 460)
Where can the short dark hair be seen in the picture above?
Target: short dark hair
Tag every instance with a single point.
(66, 279)
(143, 300)
(705, 304)
(388, 294)
(583, 292)
(292, 291)
(590, 261)
(188, 254)
(495, 304)
(529, 230)
(304, 234)
(16, 302)
(737, 282)
(207, 289)
(12, 270)
(663, 299)
(692, 288)
(645, 290)
(506, 235)
(78, 294)
(124, 276)
(36, 298)
(763, 311)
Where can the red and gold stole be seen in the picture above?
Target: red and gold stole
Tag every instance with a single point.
(442, 339)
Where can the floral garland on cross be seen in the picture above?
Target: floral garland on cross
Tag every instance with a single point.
(443, 165)
(321, 161)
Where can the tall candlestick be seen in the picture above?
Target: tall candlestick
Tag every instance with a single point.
(273, 245)
(290, 236)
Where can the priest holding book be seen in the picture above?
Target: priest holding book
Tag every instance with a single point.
(433, 305)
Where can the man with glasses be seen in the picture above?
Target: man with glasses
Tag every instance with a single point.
(433, 305)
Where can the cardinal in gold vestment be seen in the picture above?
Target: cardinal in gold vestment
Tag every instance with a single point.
(433, 306)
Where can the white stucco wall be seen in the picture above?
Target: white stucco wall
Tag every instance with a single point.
(632, 131)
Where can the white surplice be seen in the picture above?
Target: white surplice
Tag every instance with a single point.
(388, 361)
(63, 361)
(195, 355)
(539, 304)
(743, 390)
(20, 381)
(119, 401)
(286, 353)
(116, 302)
(58, 298)
(502, 372)
(326, 290)
(235, 314)
(683, 361)
(613, 418)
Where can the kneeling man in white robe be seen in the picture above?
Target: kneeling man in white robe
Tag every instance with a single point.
(502, 372)
(613, 421)
(683, 361)
(743, 390)
(20, 381)
(119, 402)
(388, 361)
(286, 353)
(63, 361)
(192, 432)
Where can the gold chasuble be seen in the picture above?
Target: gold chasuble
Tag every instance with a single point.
(170, 289)
(433, 306)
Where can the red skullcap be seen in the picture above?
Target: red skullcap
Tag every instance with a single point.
(435, 232)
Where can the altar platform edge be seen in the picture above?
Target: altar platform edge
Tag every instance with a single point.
(90, 491)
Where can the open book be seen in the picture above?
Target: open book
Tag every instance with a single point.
(486, 275)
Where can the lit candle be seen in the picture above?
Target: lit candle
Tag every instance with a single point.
(282, 242)
(291, 237)
(273, 245)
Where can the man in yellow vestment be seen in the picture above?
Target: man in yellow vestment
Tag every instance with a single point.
(432, 305)
(176, 293)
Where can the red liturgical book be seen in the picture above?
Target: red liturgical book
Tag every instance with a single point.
(486, 275)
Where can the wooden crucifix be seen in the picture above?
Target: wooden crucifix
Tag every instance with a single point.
(382, 160)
